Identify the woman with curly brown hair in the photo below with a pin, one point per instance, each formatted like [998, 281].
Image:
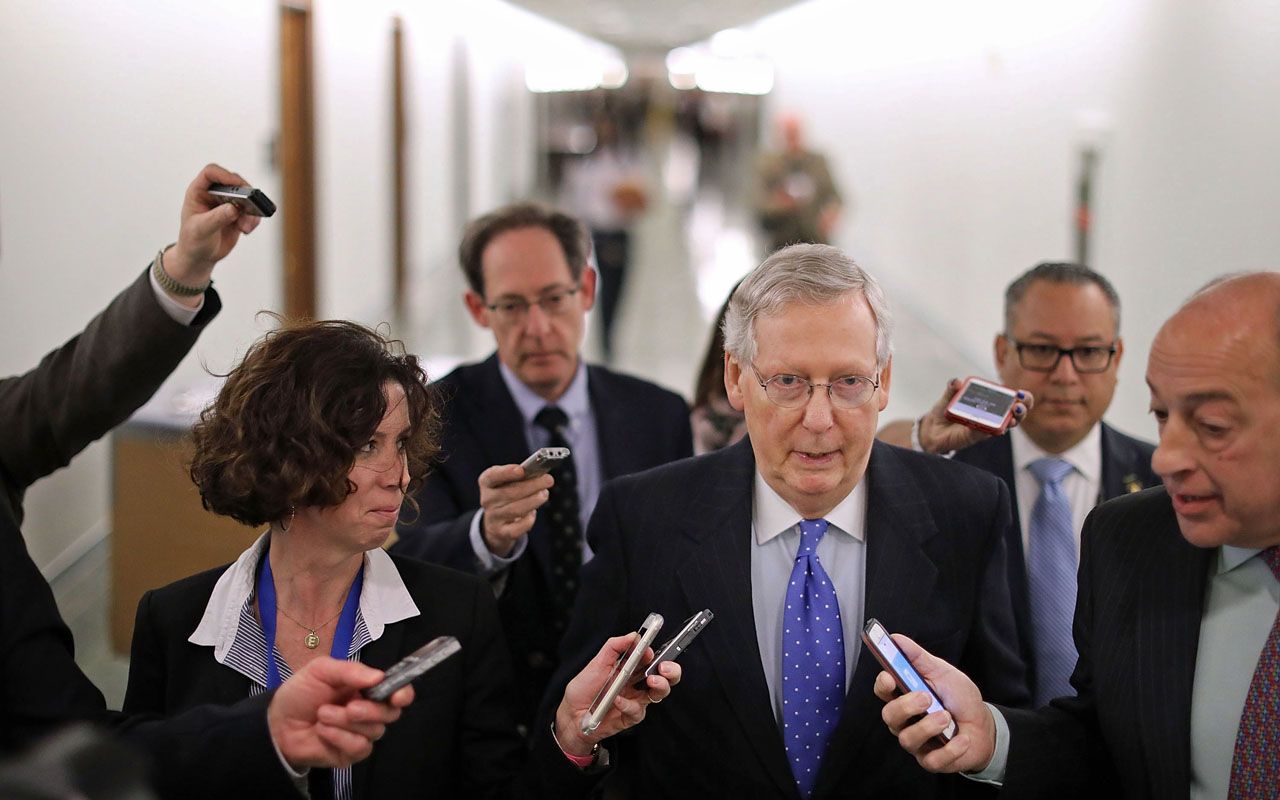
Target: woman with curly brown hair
[319, 434]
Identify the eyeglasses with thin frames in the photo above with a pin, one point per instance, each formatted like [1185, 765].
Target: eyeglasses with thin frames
[1040, 357]
[793, 391]
[515, 309]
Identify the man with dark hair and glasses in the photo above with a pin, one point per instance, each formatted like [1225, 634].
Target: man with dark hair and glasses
[793, 537]
[1061, 342]
[530, 284]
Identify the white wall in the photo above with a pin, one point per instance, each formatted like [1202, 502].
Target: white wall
[109, 109]
[954, 129]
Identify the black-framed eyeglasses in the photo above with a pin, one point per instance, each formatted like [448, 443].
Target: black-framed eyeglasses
[552, 304]
[1039, 357]
[793, 391]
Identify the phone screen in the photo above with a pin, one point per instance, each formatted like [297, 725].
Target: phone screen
[895, 663]
[985, 404]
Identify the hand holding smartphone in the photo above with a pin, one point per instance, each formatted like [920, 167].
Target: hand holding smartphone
[894, 661]
[623, 669]
[413, 666]
[983, 405]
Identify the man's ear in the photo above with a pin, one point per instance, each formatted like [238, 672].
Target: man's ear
[587, 285]
[1001, 349]
[886, 375]
[476, 308]
[732, 388]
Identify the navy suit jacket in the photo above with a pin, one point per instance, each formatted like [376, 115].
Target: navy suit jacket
[640, 426]
[458, 739]
[1126, 468]
[678, 539]
[1137, 627]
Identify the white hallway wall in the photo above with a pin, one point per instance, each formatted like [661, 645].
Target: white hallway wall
[954, 129]
[109, 109]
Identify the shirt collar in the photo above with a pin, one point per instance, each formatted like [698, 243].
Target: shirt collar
[575, 402]
[772, 516]
[1085, 457]
[1231, 557]
[384, 599]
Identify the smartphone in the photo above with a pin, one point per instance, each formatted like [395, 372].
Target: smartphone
[543, 460]
[248, 199]
[983, 405]
[623, 669]
[671, 649]
[896, 664]
[413, 666]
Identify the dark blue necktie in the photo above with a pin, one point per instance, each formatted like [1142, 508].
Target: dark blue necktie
[812, 660]
[1051, 582]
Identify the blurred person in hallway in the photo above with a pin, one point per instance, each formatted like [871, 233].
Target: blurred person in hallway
[607, 190]
[796, 199]
[716, 423]
[74, 396]
[1061, 342]
[319, 434]
[530, 285]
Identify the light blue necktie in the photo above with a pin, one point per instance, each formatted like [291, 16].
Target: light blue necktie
[1051, 581]
[812, 660]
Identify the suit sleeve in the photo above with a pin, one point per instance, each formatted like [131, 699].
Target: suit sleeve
[992, 655]
[147, 673]
[92, 383]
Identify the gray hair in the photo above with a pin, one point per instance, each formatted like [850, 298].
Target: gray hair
[1058, 272]
[813, 274]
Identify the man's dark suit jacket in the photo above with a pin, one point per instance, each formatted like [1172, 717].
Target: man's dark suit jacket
[1126, 468]
[75, 395]
[639, 425]
[678, 539]
[1137, 627]
[458, 739]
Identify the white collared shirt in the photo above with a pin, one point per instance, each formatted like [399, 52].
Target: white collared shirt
[1083, 486]
[775, 541]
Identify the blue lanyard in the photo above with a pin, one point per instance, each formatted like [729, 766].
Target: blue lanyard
[267, 608]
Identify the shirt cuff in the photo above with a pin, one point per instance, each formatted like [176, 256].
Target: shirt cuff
[183, 315]
[993, 773]
[290, 771]
[489, 561]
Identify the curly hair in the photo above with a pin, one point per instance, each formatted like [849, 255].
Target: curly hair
[284, 430]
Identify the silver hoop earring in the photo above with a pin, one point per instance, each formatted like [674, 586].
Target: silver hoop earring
[287, 522]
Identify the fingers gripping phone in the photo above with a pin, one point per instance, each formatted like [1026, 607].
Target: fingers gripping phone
[895, 662]
[671, 649]
[413, 666]
[544, 459]
[246, 198]
[622, 672]
[983, 405]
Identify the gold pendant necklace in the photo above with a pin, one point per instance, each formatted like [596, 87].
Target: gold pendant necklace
[312, 641]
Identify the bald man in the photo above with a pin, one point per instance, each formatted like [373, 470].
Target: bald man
[1178, 612]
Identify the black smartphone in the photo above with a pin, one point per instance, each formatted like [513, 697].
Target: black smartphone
[248, 199]
[896, 664]
[671, 649]
[543, 460]
[413, 666]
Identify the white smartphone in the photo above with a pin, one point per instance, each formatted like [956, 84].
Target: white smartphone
[983, 405]
[622, 671]
[544, 459]
[896, 664]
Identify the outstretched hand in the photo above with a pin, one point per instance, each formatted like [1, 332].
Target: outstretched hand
[940, 435]
[209, 228]
[628, 708]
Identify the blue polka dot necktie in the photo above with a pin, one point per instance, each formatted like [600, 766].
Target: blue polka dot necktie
[1255, 764]
[1051, 582]
[563, 520]
[812, 660]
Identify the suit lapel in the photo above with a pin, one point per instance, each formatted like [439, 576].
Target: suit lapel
[381, 653]
[1125, 469]
[718, 576]
[614, 422]
[897, 588]
[1168, 635]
